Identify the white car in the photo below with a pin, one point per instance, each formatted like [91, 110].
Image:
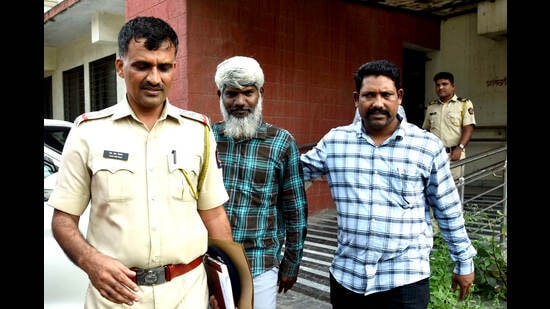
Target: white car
[64, 283]
[56, 132]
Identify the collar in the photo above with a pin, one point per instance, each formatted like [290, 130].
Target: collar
[123, 109]
[454, 98]
[397, 135]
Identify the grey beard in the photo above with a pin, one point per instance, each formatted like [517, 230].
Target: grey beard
[242, 127]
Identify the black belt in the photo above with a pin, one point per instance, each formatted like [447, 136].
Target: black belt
[449, 149]
[164, 273]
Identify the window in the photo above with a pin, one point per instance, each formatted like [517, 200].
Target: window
[73, 93]
[55, 136]
[103, 83]
[48, 109]
[49, 166]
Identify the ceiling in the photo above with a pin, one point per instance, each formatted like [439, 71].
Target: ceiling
[62, 26]
[66, 25]
[442, 9]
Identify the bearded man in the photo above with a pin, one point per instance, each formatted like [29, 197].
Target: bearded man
[267, 206]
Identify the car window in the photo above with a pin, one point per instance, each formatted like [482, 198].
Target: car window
[49, 167]
[55, 137]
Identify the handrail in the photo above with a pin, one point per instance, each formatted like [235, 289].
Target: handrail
[479, 156]
[494, 198]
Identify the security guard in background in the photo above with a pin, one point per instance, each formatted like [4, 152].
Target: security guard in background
[451, 118]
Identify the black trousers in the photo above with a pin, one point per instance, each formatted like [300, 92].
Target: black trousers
[411, 296]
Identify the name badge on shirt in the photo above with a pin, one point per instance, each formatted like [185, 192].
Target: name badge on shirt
[117, 155]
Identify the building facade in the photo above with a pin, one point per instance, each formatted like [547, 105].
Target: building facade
[308, 50]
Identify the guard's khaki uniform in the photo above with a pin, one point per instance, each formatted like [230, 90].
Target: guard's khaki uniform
[446, 120]
[143, 211]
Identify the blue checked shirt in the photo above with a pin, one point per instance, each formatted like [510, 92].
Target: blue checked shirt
[267, 199]
[383, 195]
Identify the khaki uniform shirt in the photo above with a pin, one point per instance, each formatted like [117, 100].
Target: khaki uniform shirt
[446, 120]
[143, 212]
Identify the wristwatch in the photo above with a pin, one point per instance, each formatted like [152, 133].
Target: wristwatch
[461, 146]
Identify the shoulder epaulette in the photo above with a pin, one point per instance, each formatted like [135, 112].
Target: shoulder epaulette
[195, 116]
[206, 122]
[432, 102]
[94, 115]
[462, 99]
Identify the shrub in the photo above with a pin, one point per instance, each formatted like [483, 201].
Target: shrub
[490, 285]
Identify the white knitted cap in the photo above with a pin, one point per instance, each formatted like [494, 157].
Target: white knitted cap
[238, 72]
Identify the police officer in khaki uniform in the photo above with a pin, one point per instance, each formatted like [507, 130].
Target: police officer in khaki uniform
[149, 173]
[451, 118]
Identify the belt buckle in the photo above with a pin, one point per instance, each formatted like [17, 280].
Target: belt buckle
[150, 276]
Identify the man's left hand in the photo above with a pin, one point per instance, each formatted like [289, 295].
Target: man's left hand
[455, 154]
[286, 283]
[465, 282]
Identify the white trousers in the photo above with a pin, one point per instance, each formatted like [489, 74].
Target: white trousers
[265, 289]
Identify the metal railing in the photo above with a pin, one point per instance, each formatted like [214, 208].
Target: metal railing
[484, 192]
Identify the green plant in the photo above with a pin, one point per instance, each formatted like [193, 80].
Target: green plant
[442, 266]
[490, 261]
[490, 285]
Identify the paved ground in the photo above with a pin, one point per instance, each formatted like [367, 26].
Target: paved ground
[311, 291]
[295, 300]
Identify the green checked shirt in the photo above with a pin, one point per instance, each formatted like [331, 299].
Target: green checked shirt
[267, 199]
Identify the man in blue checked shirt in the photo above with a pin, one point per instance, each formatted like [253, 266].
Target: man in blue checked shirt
[262, 174]
[385, 175]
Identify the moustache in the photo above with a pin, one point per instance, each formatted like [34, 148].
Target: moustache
[238, 109]
[148, 86]
[377, 110]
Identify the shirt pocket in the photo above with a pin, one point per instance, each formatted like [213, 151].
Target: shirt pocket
[113, 179]
[434, 117]
[407, 191]
[455, 118]
[184, 170]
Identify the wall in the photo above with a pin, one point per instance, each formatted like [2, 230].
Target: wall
[308, 51]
